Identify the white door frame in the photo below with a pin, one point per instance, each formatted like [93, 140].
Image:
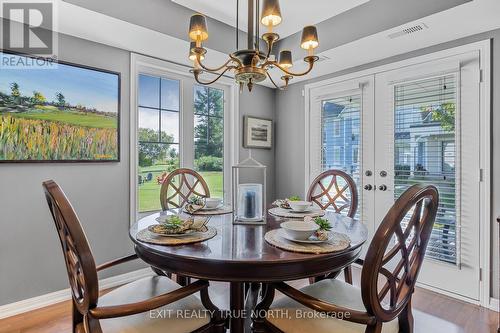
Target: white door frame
[143, 64]
[486, 220]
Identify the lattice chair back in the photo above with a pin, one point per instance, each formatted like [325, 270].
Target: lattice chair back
[179, 186]
[78, 257]
[396, 252]
[335, 190]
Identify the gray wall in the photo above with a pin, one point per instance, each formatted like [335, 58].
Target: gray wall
[31, 263]
[290, 132]
[259, 103]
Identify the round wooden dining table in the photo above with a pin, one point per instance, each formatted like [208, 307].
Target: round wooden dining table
[239, 254]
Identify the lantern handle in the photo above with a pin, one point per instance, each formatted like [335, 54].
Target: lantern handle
[251, 160]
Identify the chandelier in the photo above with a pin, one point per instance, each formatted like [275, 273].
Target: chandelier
[251, 65]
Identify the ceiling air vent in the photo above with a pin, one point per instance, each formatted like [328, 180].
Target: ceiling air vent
[408, 31]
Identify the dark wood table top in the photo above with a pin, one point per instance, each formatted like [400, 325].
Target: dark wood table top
[240, 253]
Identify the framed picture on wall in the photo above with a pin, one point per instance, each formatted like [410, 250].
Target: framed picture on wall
[257, 132]
[63, 113]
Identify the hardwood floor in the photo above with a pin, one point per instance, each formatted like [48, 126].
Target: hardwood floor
[433, 313]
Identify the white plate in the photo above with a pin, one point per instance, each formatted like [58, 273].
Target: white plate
[219, 206]
[312, 240]
[308, 210]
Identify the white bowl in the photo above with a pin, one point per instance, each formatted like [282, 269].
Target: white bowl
[212, 203]
[300, 206]
[299, 230]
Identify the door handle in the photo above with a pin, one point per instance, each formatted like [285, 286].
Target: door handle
[383, 187]
[368, 187]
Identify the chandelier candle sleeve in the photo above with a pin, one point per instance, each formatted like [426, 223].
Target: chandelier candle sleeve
[251, 65]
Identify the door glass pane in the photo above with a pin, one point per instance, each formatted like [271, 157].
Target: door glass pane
[209, 137]
[158, 136]
[425, 152]
[340, 130]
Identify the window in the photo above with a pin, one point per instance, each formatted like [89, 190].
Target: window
[158, 136]
[209, 137]
[337, 156]
[336, 128]
[179, 124]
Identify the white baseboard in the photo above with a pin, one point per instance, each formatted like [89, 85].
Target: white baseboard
[494, 304]
[38, 302]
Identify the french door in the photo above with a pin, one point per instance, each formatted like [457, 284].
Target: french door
[428, 122]
[411, 125]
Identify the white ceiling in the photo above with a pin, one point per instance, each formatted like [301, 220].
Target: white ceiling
[296, 14]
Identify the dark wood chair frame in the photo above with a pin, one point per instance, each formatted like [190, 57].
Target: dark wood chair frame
[83, 278]
[351, 205]
[168, 201]
[401, 281]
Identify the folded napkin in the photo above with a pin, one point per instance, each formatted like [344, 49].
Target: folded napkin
[192, 208]
[188, 225]
[283, 203]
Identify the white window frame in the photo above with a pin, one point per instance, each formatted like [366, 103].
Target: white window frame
[140, 64]
[486, 218]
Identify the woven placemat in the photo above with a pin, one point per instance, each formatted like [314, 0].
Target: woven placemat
[219, 211]
[148, 237]
[338, 242]
[282, 212]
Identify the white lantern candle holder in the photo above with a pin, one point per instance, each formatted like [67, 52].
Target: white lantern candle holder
[249, 197]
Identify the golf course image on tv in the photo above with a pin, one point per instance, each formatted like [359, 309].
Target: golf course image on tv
[64, 113]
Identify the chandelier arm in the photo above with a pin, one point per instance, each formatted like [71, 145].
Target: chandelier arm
[196, 77]
[198, 59]
[274, 83]
[238, 61]
[284, 70]
[269, 50]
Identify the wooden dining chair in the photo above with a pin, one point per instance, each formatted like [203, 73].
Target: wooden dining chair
[335, 190]
[125, 309]
[179, 186]
[388, 277]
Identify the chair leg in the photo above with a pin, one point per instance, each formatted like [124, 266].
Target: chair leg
[377, 328]
[348, 274]
[77, 317]
[406, 319]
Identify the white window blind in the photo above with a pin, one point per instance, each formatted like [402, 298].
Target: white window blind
[425, 144]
